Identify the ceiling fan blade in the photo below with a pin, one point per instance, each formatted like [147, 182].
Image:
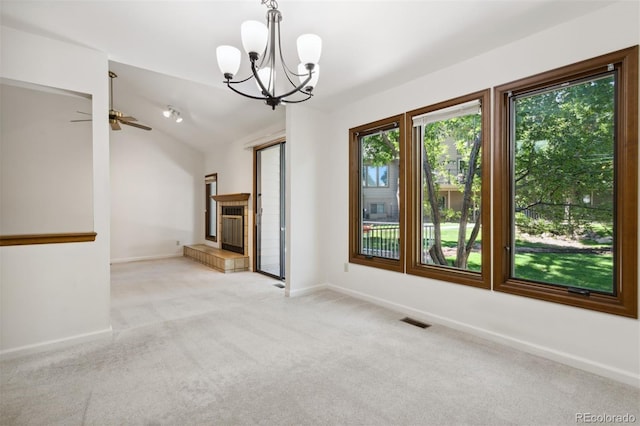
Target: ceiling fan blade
[128, 118]
[81, 112]
[115, 125]
[77, 121]
[139, 126]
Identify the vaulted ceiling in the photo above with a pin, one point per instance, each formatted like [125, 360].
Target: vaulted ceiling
[164, 51]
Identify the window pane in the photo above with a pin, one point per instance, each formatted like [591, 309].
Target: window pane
[213, 210]
[372, 177]
[380, 235]
[383, 174]
[563, 185]
[451, 182]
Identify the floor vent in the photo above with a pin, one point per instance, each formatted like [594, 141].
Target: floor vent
[415, 322]
[279, 285]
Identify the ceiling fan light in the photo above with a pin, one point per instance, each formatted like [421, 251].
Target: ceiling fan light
[228, 60]
[254, 36]
[178, 119]
[304, 73]
[166, 113]
[309, 48]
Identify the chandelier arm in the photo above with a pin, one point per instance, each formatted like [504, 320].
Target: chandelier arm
[287, 71]
[239, 81]
[260, 83]
[297, 89]
[309, 95]
[284, 63]
[244, 94]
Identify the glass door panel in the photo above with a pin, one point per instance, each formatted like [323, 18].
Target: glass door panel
[270, 225]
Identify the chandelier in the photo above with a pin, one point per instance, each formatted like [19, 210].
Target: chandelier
[262, 44]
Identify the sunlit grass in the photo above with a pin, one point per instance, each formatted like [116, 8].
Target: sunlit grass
[592, 271]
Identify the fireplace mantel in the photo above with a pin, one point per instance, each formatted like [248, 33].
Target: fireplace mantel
[241, 196]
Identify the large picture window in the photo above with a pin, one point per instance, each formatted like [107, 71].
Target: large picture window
[566, 185]
[376, 222]
[449, 191]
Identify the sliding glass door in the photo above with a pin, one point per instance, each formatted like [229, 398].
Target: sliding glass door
[270, 219]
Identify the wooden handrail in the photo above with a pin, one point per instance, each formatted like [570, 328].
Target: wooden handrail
[26, 239]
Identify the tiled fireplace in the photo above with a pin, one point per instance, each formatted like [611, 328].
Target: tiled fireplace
[233, 222]
[233, 236]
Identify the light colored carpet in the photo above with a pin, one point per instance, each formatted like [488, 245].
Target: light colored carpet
[195, 346]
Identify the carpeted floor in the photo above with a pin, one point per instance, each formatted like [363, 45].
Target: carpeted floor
[195, 346]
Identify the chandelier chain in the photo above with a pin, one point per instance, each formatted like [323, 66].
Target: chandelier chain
[271, 4]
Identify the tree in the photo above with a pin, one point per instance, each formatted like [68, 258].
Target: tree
[460, 134]
[564, 155]
[464, 133]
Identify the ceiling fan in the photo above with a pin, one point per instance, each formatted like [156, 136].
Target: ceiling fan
[116, 117]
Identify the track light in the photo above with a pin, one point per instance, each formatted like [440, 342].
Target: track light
[172, 112]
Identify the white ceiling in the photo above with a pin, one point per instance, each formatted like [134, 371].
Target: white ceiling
[164, 51]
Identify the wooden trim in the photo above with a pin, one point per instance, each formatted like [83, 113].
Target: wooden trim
[244, 196]
[625, 302]
[414, 188]
[354, 194]
[28, 239]
[269, 144]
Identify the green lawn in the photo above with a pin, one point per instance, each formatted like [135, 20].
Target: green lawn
[590, 271]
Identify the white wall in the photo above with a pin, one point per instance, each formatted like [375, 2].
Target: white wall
[157, 195]
[58, 292]
[602, 343]
[305, 176]
[39, 192]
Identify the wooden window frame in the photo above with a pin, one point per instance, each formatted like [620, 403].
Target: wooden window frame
[355, 183]
[414, 187]
[625, 301]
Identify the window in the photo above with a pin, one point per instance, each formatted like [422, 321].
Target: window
[566, 189]
[211, 210]
[375, 176]
[448, 185]
[376, 234]
[377, 208]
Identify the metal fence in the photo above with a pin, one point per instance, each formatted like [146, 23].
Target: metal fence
[382, 239]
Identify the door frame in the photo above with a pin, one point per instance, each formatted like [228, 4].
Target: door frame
[278, 141]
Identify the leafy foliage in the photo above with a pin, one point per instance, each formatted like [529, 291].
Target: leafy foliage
[460, 136]
[564, 155]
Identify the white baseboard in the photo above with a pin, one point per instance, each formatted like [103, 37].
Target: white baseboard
[140, 258]
[55, 344]
[306, 290]
[532, 348]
